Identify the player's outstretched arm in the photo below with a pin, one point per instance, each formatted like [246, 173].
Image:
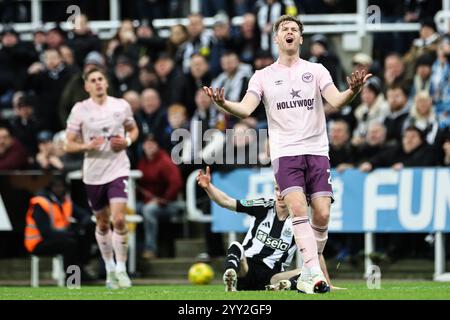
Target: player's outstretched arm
[216, 195]
[355, 82]
[241, 109]
[73, 145]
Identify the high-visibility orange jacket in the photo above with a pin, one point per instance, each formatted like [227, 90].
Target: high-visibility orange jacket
[59, 219]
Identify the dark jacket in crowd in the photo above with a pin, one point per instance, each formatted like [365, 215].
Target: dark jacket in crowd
[422, 156]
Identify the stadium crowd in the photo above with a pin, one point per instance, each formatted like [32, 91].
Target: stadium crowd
[401, 119]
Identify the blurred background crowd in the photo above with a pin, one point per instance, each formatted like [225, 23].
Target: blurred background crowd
[401, 119]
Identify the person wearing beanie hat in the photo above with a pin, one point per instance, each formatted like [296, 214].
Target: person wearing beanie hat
[427, 43]
[319, 50]
[422, 77]
[373, 108]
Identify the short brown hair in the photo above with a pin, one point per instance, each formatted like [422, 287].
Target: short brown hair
[285, 18]
[90, 71]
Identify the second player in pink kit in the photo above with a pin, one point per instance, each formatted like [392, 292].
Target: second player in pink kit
[292, 90]
[103, 127]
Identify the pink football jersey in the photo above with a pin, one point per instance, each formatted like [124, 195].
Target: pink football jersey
[292, 97]
[90, 120]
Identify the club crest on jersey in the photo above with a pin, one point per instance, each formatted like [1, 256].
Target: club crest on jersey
[307, 77]
[247, 203]
[116, 115]
[287, 233]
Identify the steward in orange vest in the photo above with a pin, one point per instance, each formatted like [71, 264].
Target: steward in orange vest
[48, 229]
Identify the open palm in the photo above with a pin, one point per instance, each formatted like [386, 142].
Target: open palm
[204, 179]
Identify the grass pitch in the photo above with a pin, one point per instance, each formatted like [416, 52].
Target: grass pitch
[356, 290]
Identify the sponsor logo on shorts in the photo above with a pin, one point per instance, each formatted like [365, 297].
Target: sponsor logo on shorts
[273, 243]
[307, 77]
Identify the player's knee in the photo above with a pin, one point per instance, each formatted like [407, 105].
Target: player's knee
[119, 223]
[321, 217]
[297, 209]
[103, 224]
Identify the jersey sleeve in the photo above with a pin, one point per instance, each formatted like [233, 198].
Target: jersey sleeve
[255, 85]
[129, 118]
[323, 77]
[74, 120]
[256, 208]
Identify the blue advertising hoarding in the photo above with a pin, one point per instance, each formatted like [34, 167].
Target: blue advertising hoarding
[409, 200]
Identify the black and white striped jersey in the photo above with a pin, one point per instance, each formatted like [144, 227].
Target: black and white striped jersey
[268, 239]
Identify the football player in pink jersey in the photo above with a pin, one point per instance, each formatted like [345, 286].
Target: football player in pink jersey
[103, 128]
[292, 90]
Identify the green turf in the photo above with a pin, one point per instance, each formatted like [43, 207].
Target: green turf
[355, 290]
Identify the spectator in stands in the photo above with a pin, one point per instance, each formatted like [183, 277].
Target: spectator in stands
[13, 155]
[374, 142]
[152, 117]
[427, 43]
[341, 151]
[74, 90]
[48, 82]
[149, 42]
[49, 230]
[397, 97]
[362, 61]
[24, 125]
[83, 40]
[55, 38]
[243, 149]
[15, 58]
[176, 44]
[440, 86]
[206, 117]
[412, 152]
[68, 57]
[39, 37]
[422, 77]
[199, 40]
[177, 118]
[133, 98]
[147, 77]
[247, 40]
[267, 12]
[262, 59]
[124, 43]
[394, 70]
[189, 83]
[160, 186]
[320, 53]
[234, 78]
[221, 42]
[374, 107]
[46, 158]
[422, 116]
[167, 78]
[124, 76]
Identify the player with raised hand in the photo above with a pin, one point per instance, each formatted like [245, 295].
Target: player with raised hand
[103, 128]
[268, 248]
[292, 90]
